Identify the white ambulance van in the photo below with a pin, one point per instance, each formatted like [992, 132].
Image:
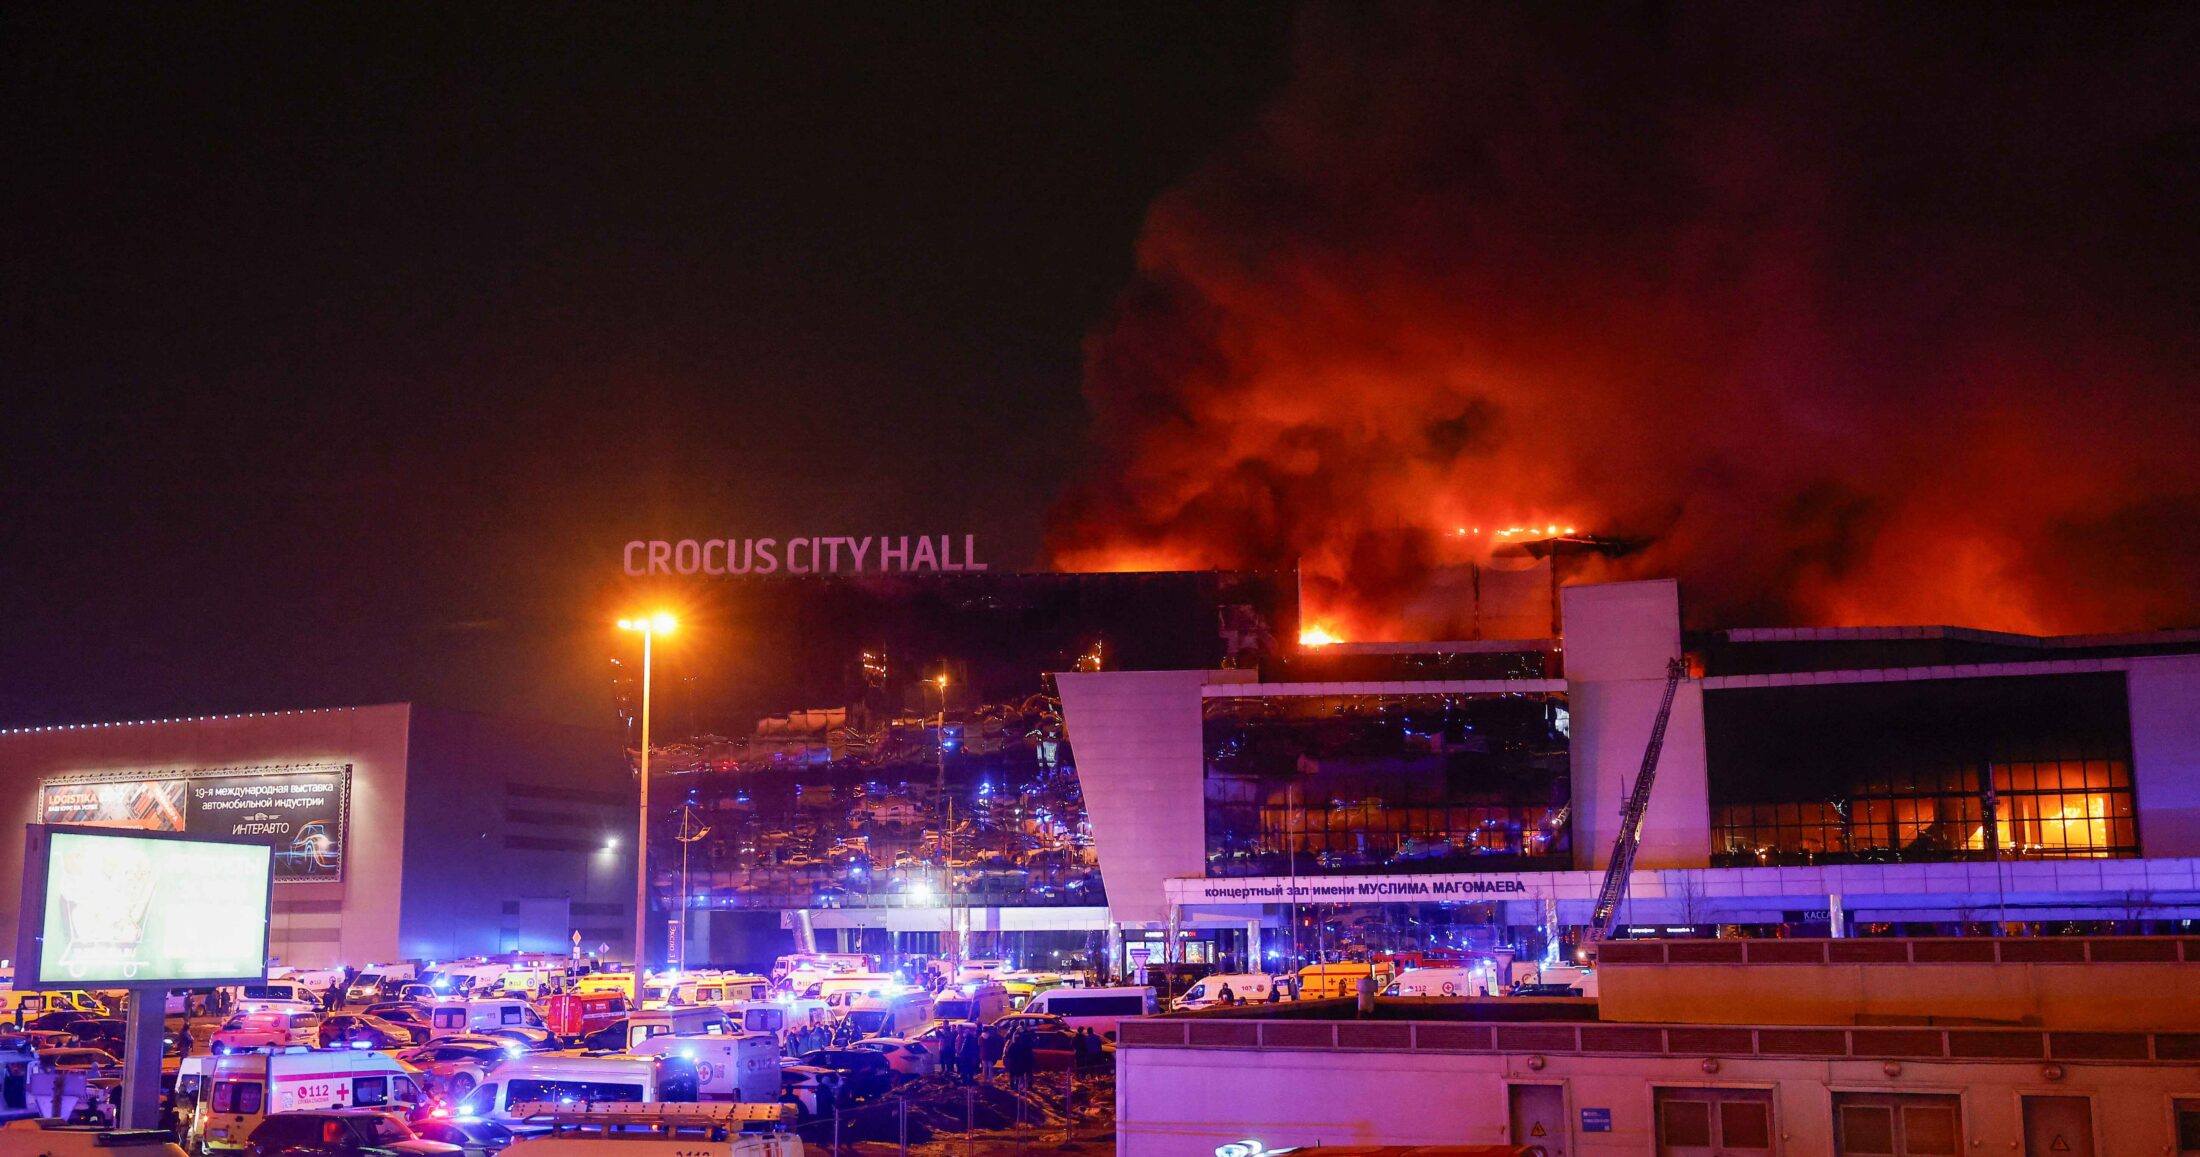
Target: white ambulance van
[740, 1067]
[723, 991]
[835, 990]
[704, 1021]
[233, 1094]
[1246, 987]
[889, 1013]
[777, 1017]
[1099, 1009]
[980, 1001]
[460, 1017]
[573, 1079]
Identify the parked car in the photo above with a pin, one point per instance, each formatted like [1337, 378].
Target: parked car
[90, 1062]
[474, 1138]
[59, 1019]
[531, 1039]
[339, 1133]
[348, 1029]
[907, 1058]
[100, 1033]
[402, 1012]
[1053, 1050]
[249, 1030]
[1041, 1022]
[456, 1064]
[863, 1074]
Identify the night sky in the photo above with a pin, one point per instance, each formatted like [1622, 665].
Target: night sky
[345, 345]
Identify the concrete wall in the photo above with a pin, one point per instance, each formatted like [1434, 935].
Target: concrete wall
[353, 921]
[2165, 752]
[511, 821]
[1619, 637]
[1182, 1102]
[2092, 997]
[1140, 760]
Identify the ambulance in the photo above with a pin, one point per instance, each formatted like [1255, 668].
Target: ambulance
[1342, 978]
[837, 990]
[981, 1002]
[231, 1095]
[778, 1016]
[889, 1013]
[820, 963]
[1444, 981]
[1245, 987]
[737, 1067]
[723, 991]
[569, 1079]
[676, 1022]
[460, 1017]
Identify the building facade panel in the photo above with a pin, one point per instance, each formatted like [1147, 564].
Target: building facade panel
[354, 919]
[1144, 729]
[2165, 741]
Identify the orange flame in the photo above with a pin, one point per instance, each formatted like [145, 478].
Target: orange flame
[1317, 635]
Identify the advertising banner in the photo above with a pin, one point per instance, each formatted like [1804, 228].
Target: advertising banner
[105, 907]
[301, 812]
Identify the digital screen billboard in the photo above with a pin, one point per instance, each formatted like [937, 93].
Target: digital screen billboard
[301, 812]
[108, 908]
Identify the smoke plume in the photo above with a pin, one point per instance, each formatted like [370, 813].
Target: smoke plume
[1853, 315]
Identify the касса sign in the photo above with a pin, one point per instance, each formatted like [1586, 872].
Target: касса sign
[824, 554]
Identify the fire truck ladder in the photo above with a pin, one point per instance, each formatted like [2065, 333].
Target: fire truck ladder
[1622, 866]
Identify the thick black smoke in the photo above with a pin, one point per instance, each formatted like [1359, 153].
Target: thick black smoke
[1858, 314]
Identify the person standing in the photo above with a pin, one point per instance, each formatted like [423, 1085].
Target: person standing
[970, 1054]
[994, 1049]
[1225, 996]
[1022, 1058]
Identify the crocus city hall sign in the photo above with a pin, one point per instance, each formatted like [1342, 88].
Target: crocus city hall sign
[826, 554]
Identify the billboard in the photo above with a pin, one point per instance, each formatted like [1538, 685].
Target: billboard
[300, 811]
[104, 907]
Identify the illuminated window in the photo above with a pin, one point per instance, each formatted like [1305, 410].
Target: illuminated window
[1385, 783]
[1903, 772]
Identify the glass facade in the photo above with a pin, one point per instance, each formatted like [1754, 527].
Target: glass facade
[1912, 771]
[1343, 784]
[864, 829]
[816, 727]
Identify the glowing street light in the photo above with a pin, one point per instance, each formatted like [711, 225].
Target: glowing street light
[952, 940]
[661, 623]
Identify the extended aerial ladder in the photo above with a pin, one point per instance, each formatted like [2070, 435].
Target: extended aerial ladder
[1622, 865]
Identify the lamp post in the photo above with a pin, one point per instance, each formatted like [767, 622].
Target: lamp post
[686, 813]
[651, 626]
[952, 940]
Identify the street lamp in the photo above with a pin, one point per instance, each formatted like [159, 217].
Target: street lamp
[952, 941]
[660, 623]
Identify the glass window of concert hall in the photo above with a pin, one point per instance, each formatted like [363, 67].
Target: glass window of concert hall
[1896, 772]
[1386, 784]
